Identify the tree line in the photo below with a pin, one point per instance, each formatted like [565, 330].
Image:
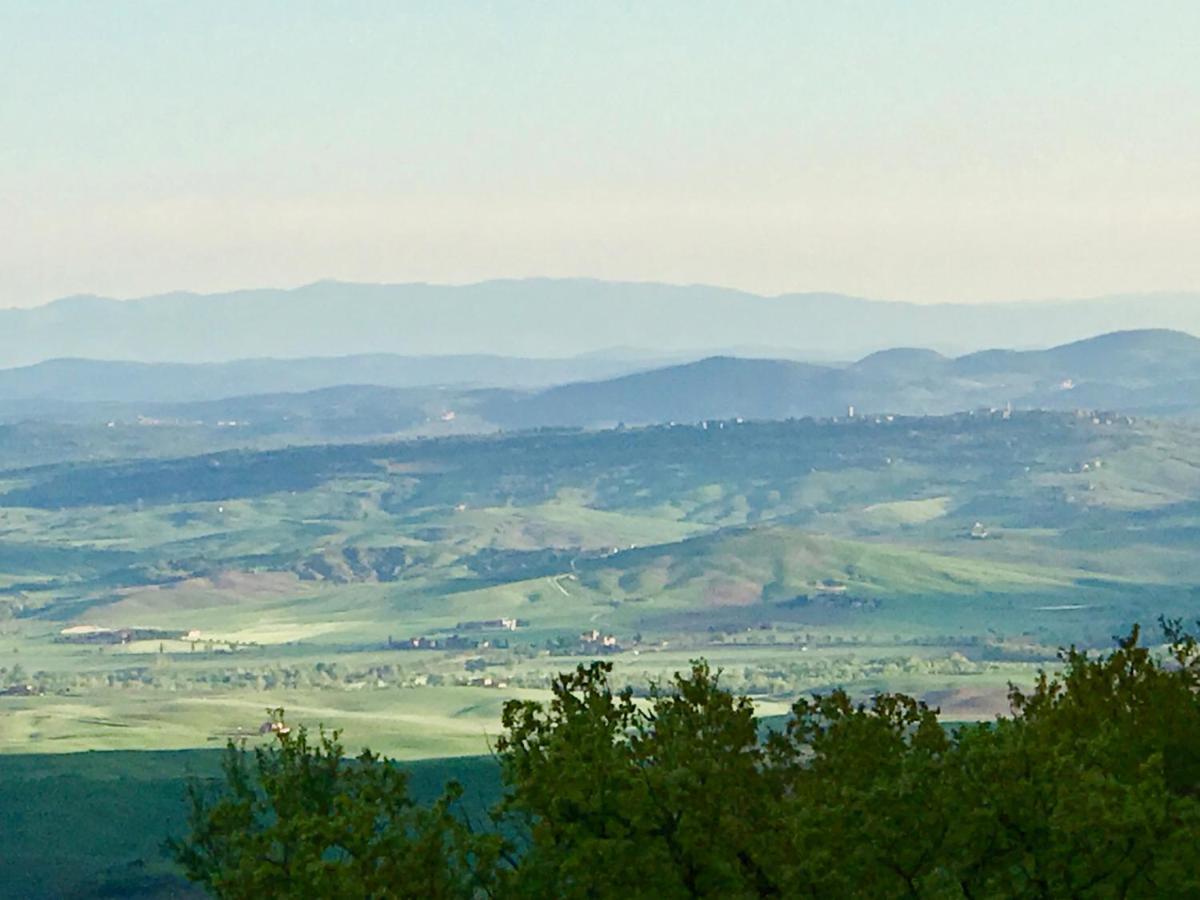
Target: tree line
[1090, 788]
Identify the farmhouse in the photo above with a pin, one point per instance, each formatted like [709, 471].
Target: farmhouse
[595, 641]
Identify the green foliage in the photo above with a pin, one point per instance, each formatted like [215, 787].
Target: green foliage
[303, 821]
[852, 801]
[655, 799]
[1090, 789]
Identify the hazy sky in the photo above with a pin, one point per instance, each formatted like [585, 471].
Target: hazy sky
[909, 150]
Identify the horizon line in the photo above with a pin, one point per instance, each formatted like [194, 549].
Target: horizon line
[183, 292]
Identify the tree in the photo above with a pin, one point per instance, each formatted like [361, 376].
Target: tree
[1090, 789]
[298, 819]
[619, 798]
[854, 807]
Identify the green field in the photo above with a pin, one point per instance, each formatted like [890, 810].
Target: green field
[156, 605]
[801, 555]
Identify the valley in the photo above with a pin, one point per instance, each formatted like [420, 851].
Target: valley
[529, 451]
[184, 548]
[402, 590]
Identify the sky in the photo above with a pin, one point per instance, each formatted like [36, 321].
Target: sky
[923, 151]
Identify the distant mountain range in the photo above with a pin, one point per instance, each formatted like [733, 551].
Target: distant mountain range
[543, 318]
[1144, 372]
[98, 381]
[1154, 371]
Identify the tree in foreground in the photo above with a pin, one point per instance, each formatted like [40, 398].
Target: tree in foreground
[298, 819]
[612, 797]
[1091, 788]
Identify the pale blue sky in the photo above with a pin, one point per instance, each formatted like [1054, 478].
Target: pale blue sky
[909, 150]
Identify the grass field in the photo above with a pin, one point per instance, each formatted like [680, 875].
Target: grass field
[793, 556]
[802, 555]
[405, 723]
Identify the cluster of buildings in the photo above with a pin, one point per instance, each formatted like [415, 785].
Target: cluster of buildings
[595, 641]
[457, 641]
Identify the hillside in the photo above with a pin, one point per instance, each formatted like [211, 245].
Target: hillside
[540, 318]
[1134, 372]
[105, 381]
[1137, 373]
[403, 590]
[1141, 355]
[714, 388]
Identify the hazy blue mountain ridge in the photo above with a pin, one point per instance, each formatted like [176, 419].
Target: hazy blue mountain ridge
[1136, 372]
[97, 381]
[546, 318]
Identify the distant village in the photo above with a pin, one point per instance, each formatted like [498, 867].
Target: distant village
[591, 642]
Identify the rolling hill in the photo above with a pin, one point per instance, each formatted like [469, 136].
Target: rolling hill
[713, 388]
[1135, 372]
[106, 381]
[48, 417]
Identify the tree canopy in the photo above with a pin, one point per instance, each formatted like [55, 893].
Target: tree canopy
[1090, 788]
